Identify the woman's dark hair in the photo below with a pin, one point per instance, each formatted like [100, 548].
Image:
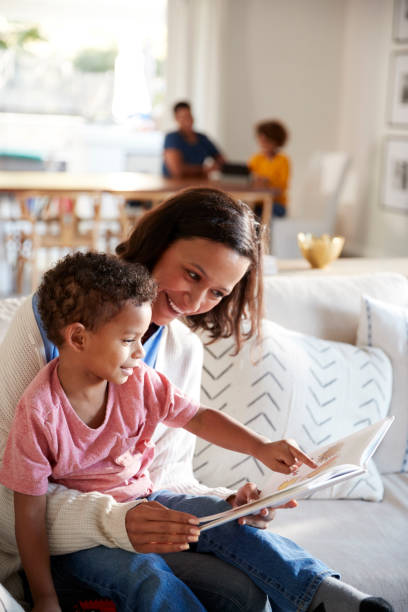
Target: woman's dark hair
[90, 288]
[213, 215]
[274, 131]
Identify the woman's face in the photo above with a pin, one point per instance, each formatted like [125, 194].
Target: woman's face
[193, 276]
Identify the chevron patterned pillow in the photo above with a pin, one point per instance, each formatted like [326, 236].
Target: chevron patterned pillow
[385, 326]
[297, 386]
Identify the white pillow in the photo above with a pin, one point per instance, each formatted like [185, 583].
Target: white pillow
[328, 306]
[298, 386]
[386, 326]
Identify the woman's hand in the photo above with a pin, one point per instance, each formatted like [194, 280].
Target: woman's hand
[250, 492]
[151, 527]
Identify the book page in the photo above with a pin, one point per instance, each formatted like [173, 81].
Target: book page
[275, 500]
[353, 450]
[337, 461]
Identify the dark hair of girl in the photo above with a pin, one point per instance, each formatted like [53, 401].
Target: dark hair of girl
[213, 215]
[274, 131]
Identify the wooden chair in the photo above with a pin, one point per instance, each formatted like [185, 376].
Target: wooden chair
[116, 224]
[52, 223]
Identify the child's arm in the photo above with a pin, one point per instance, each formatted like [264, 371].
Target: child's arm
[32, 543]
[218, 428]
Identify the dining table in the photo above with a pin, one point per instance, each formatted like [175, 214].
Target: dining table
[47, 214]
[129, 185]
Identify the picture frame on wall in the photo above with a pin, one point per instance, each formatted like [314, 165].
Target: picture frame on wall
[395, 174]
[400, 27]
[398, 100]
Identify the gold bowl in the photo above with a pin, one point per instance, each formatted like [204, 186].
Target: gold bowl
[320, 250]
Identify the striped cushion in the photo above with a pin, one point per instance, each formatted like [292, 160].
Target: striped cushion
[385, 325]
[293, 385]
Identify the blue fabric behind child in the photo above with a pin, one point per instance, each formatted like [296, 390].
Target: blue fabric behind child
[151, 346]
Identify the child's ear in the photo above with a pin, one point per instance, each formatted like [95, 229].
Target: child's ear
[74, 336]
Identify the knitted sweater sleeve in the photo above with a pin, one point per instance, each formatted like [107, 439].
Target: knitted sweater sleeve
[75, 520]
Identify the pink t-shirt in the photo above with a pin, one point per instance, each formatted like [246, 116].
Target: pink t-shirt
[48, 440]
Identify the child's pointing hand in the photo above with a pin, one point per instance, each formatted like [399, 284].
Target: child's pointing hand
[284, 456]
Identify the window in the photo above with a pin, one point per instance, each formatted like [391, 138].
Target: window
[102, 60]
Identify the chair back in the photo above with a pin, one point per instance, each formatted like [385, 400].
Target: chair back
[323, 185]
[321, 191]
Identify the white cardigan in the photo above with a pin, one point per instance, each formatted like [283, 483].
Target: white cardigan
[77, 520]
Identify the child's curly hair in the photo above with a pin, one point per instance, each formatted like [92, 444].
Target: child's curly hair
[90, 288]
[274, 131]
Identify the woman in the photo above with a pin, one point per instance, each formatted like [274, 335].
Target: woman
[179, 356]
[191, 244]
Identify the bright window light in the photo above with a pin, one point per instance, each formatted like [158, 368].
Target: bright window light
[102, 60]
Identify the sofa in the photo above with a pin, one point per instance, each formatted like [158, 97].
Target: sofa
[334, 357]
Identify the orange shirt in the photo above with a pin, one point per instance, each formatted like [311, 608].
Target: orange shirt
[276, 169]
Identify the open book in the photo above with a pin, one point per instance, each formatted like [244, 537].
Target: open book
[336, 462]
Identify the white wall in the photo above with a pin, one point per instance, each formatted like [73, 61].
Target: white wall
[368, 47]
[322, 66]
[283, 60]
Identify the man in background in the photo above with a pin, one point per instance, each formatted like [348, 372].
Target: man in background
[185, 150]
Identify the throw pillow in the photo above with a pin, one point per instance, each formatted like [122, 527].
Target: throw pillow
[385, 326]
[293, 386]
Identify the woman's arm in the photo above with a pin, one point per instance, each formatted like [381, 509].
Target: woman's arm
[83, 520]
[32, 543]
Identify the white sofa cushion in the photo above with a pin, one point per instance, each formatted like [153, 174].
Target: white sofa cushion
[293, 385]
[7, 602]
[8, 307]
[386, 326]
[328, 306]
[366, 543]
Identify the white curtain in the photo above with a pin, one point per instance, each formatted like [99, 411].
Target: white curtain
[195, 60]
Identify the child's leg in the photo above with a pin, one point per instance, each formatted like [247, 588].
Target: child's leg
[135, 582]
[287, 573]
[219, 586]
[301, 583]
[291, 577]
[143, 582]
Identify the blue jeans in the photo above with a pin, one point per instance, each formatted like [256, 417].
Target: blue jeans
[185, 582]
[283, 571]
[288, 574]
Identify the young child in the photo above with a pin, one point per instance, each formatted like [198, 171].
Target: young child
[270, 167]
[87, 418]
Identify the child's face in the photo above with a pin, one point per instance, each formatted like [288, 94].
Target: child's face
[267, 146]
[112, 351]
